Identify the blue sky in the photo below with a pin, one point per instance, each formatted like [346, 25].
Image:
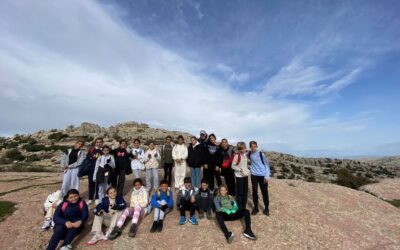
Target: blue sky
[312, 78]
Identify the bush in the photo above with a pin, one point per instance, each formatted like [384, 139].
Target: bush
[368, 175]
[272, 170]
[32, 141]
[296, 169]
[309, 170]
[57, 136]
[292, 176]
[285, 169]
[13, 144]
[346, 179]
[34, 147]
[15, 155]
[57, 147]
[280, 177]
[32, 158]
[311, 178]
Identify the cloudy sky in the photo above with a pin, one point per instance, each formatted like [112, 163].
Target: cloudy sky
[316, 78]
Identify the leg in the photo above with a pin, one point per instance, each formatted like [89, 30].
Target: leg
[102, 190]
[66, 185]
[264, 191]
[71, 234]
[193, 176]
[93, 189]
[148, 180]
[59, 232]
[113, 221]
[50, 213]
[123, 216]
[121, 182]
[170, 166]
[191, 208]
[183, 208]
[221, 223]
[136, 214]
[254, 188]
[75, 183]
[197, 177]
[245, 191]
[97, 224]
[218, 177]
[247, 219]
[230, 181]
[155, 178]
[239, 191]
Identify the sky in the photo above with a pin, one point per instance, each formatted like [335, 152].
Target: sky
[310, 78]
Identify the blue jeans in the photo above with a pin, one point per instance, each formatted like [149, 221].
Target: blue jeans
[195, 176]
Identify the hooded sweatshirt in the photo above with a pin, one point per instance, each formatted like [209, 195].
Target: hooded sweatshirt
[106, 202]
[139, 197]
[258, 168]
[195, 155]
[240, 167]
[139, 162]
[212, 154]
[166, 153]
[152, 158]
[180, 152]
[71, 213]
[226, 204]
[122, 159]
[72, 158]
[185, 194]
[102, 162]
[161, 196]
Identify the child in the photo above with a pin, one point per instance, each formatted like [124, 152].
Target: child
[213, 159]
[179, 154]
[69, 218]
[49, 207]
[93, 154]
[186, 201]
[139, 201]
[195, 160]
[166, 159]
[151, 158]
[259, 177]
[161, 201]
[70, 162]
[137, 164]
[227, 210]
[239, 165]
[105, 166]
[226, 154]
[108, 211]
[204, 200]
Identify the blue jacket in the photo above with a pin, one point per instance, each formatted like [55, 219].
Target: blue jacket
[71, 213]
[257, 167]
[163, 197]
[105, 204]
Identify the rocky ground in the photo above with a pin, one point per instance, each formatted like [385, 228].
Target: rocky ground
[304, 215]
[387, 189]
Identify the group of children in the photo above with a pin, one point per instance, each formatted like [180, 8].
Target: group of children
[110, 167]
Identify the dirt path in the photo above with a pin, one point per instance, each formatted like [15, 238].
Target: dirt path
[303, 216]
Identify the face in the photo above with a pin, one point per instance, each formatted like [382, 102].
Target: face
[193, 141]
[212, 139]
[187, 185]
[223, 191]
[253, 147]
[203, 136]
[73, 198]
[204, 186]
[99, 143]
[138, 185]
[164, 187]
[112, 193]
[122, 144]
[180, 141]
[151, 146]
[136, 144]
[106, 151]
[168, 140]
[243, 150]
[224, 143]
[78, 145]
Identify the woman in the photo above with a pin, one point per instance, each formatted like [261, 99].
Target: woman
[179, 154]
[211, 168]
[195, 160]
[70, 162]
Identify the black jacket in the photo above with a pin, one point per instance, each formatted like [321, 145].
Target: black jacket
[212, 154]
[122, 161]
[195, 156]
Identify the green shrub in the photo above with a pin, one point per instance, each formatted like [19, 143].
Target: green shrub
[32, 141]
[272, 170]
[285, 169]
[347, 179]
[296, 169]
[13, 144]
[280, 177]
[5, 160]
[57, 136]
[57, 147]
[368, 175]
[6, 209]
[395, 203]
[292, 176]
[311, 178]
[34, 147]
[309, 170]
[15, 155]
[32, 158]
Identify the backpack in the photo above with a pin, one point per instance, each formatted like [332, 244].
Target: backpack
[239, 158]
[261, 157]
[159, 194]
[65, 204]
[226, 163]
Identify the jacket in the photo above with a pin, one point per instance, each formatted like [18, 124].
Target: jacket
[226, 157]
[53, 198]
[166, 154]
[241, 169]
[65, 159]
[185, 194]
[152, 158]
[159, 196]
[225, 204]
[258, 168]
[71, 213]
[139, 197]
[195, 156]
[212, 154]
[139, 162]
[103, 164]
[204, 194]
[180, 152]
[122, 159]
[93, 154]
[105, 204]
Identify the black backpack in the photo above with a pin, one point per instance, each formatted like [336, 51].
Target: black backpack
[261, 157]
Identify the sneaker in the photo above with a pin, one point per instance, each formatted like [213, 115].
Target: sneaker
[249, 234]
[159, 225]
[229, 238]
[53, 224]
[153, 227]
[209, 215]
[66, 247]
[255, 211]
[201, 215]
[97, 202]
[132, 230]
[46, 224]
[89, 202]
[266, 212]
[193, 220]
[96, 237]
[182, 221]
[116, 232]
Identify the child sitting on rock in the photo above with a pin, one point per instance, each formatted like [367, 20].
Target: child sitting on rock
[49, 207]
[186, 201]
[161, 201]
[107, 213]
[204, 200]
[139, 202]
[69, 218]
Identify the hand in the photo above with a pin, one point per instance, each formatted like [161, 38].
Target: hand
[54, 205]
[69, 224]
[216, 169]
[99, 213]
[164, 207]
[77, 224]
[265, 180]
[108, 160]
[178, 161]
[149, 156]
[113, 207]
[205, 166]
[192, 200]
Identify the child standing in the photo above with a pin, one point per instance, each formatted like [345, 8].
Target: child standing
[103, 171]
[239, 165]
[213, 159]
[122, 166]
[139, 201]
[92, 155]
[166, 159]
[49, 207]
[227, 210]
[70, 162]
[195, 160]
[69, 218]
[179, 154]
[204, 200]
[107, 212]
[259, 177]
[137, 164]
[161, 201]
[151, 158]
[226, 153]
[186, 201]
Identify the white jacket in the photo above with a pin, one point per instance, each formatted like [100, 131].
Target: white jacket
[139, 162]
[53, 198]
[139, 197]
[101, 162]
[180, 152]
[241, 169]
[152, 158]
[65, 159]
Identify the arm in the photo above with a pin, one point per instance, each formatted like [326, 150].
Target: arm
[234, 166]
[141, 156]
[145, 199]
[267, 170]
[217, 204]
[174, 154]
[158, 155]
[185, 153]
[170, 200]
[96, 168]
[64, 161]
[154, 202]
[121, 204]
[112, 162]
[58, 216]
[85, 213]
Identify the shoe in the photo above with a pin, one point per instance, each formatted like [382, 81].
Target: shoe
[255, 211]
[116, 232]
[97, 202]
[182, 221]
[266, 212]
[52, 224]
[201, 215]
[46, 224]
[96, 237]
[193, 220]
[209, 215]
[89, 202]
[153, 227]
[132, 230]
[249, 234]
[66, 247]
[229, 238]
[159, 225]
